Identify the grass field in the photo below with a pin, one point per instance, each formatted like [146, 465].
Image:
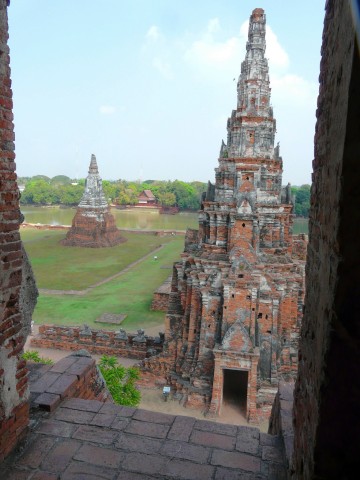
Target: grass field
[67, 268]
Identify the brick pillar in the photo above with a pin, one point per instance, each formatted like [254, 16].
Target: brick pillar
[222, 231]
[194, 313]
[14, 409]
[251, 409]
[213, 234]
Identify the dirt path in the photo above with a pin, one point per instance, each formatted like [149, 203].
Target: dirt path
[106, 280]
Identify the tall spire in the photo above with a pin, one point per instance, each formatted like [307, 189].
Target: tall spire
[93, 224]
[93, 194]
[93, 168]
[251, 127]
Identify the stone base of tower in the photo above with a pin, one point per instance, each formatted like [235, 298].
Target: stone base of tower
[93, 231]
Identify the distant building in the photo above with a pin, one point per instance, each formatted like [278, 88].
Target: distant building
[146, 198]
[93, 225]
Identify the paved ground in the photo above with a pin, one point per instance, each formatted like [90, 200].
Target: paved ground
[90, 440]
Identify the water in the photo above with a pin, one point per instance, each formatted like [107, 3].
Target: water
[133, 218]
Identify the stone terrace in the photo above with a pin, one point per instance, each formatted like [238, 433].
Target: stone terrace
[74, 439]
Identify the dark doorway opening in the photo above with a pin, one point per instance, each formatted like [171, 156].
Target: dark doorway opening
[235, 390]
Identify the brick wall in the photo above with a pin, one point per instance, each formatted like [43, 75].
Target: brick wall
[14, 409]
[75, 376]
[100, 342]
[161, 296]
[327, 391]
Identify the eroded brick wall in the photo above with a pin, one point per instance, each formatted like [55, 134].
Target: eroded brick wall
[100, 342]
[14, 410]
[327, 394]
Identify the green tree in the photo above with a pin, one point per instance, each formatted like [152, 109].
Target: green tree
[167, 199]
[40, 192]
[186, 195]
[70, 194]
[33, 356]
[60, 180]
[120, 381]
[302, 199]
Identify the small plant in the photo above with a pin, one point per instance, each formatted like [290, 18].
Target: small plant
[120, 381]
[33, 356]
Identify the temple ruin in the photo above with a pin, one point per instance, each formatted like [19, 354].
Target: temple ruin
[93, 225]
[237, 294]
[319, 433]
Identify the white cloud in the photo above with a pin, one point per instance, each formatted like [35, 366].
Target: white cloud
[213, 25]
[275, 52]
[153, 33]
[107, 109]
[163, 67]
[208, 52]
[293, 89]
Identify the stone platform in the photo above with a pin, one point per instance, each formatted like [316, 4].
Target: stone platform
[83, 439]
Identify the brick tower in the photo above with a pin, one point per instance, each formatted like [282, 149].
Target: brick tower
[237, 293]
[93, 225]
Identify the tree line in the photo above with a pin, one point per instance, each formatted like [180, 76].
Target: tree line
[302, 200]
[42, 190]
[62, 190]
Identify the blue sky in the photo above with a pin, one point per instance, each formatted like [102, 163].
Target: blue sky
[147, 85]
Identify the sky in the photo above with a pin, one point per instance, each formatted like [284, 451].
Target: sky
[147, 85]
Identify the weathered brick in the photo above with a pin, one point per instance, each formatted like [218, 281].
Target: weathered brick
[59, 457]
[138, 444]
[84, 405]
[142, 463]
[38, 449]
[213, 427]
[56, 428]
[236, 460]
[154, 417]
[74, 416]
[209, 439]
[248, 440]
[105, 457]
[95, 434]
[83, 471]
[186, 451]
[185, 470]
[181, 428]
[147, 429]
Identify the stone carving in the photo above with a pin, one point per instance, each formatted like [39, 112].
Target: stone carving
[93, 225]
[86, 331]
[140, 337]
[121, 335]
[237, 294]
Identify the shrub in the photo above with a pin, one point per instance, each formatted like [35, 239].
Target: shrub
[33, 356]
[120, 381]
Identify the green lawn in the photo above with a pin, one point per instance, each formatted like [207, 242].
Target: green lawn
[130, 293]
[74, 268]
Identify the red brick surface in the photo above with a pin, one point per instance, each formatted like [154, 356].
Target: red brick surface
[14, 416]
[237, 293]
[102, 342]
[68, 445]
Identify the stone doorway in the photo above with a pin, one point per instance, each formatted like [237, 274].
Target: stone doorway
[235, 388]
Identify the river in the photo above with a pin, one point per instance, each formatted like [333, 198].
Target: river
[130, 218]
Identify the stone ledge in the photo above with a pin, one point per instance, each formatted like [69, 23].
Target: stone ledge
[281, 420]
[72, 376]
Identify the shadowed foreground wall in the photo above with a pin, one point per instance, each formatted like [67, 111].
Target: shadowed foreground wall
[327, 392]
[14, 408]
